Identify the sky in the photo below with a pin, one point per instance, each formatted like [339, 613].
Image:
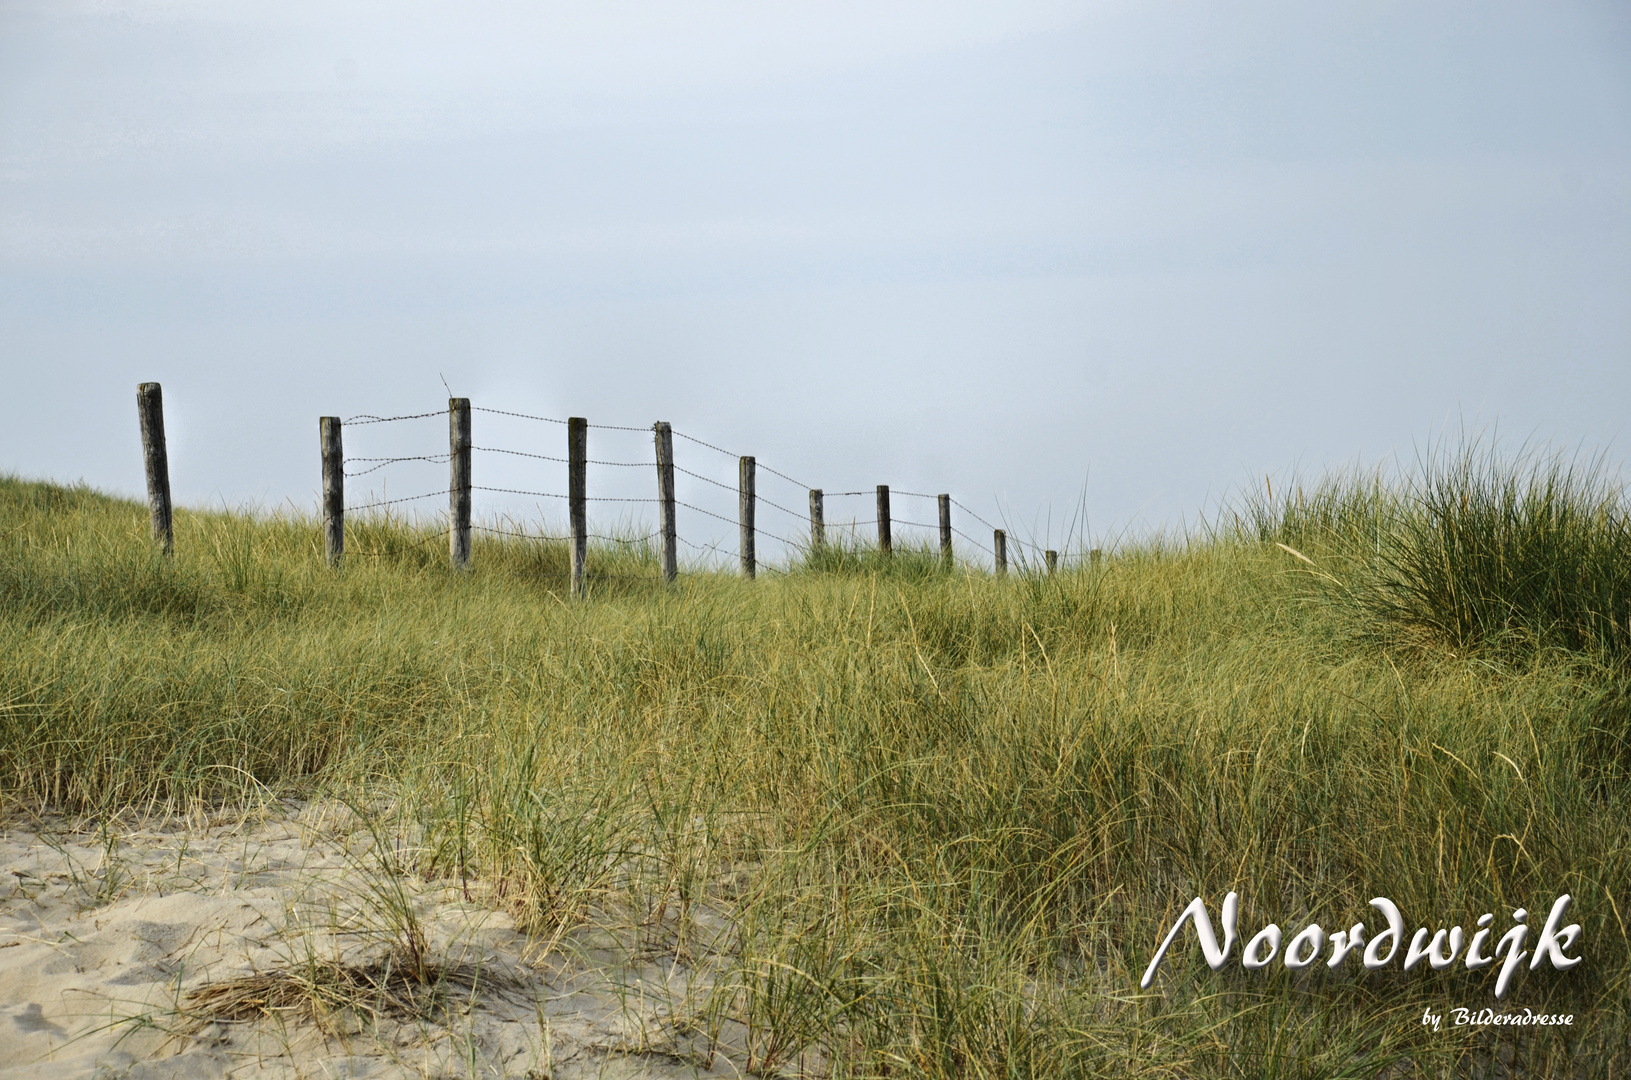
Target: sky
[1092, 268]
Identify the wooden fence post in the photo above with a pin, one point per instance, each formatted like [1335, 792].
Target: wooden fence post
[577, 495]
[150, 409]
[945, 529]
[665, 500]
[818, 520]
[328, 435]
[999, 543]
[1094, 557]
[1052, 558]
[745, 507]
[458, 481]
[885, 547]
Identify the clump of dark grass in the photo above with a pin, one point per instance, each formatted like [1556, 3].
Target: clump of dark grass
[1532, 549]
[1474, 549]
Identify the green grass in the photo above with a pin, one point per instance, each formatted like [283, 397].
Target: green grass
[950, 816]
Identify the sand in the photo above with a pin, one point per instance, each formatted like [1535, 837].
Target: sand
[107, 936]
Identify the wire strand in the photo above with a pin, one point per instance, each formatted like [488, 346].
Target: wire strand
[565, 461]
[973, 541]
[973, 515]
[709, 513]
[436, 459]
[704, 479]
[522, 415]
[390, 502]
[555, 495]
[566, 539]
[727, 453]
[363, 419]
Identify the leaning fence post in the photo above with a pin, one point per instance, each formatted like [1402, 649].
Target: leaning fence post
[458, 481]
[665, 500]
[884, 545]
[328, 435]
[745, 506]
[945, 528]
[577, 458]
[1052, 558]
[150, 409]
[818, 520]
[999, 544]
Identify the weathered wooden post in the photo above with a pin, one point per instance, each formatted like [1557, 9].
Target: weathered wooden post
[1052, 558]
[150, 410]
[945, 529]
[818, 520]
[665, 500]
[884, 545]
[1094, 557]
[458, 481]
[577, 495]
[999, 544]
[328, 435]
[745, 508]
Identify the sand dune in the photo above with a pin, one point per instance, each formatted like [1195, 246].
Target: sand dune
[111, 940]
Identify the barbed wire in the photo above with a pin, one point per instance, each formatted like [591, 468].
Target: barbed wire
[552, 419]
[629, 541]
[704, 479]
[699, 442]
[592, 576]
[799, 544]
[435, 459]
[374, 553]
[777, 506]
[715, 548]
[973, 541]
[973, 515]
[841, 494]
[733, 521]
[554, 495]
[756, 462]
[756, 496]
[709, 513]
[363, 419]
[564, 461]
[522, 415]
[390, 502]
[1012, 539]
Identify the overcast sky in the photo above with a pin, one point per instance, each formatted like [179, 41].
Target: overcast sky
[1047, 256]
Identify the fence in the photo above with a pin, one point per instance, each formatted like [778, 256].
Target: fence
[461, 487]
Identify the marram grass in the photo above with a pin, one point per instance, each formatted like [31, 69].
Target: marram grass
[948, 816]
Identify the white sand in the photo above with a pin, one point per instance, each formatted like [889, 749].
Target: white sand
[99, 953]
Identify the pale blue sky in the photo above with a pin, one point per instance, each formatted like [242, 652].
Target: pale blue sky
[994, 249]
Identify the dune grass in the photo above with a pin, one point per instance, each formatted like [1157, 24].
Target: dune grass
[947, 817]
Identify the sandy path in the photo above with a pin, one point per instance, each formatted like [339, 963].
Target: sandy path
[102, 939]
